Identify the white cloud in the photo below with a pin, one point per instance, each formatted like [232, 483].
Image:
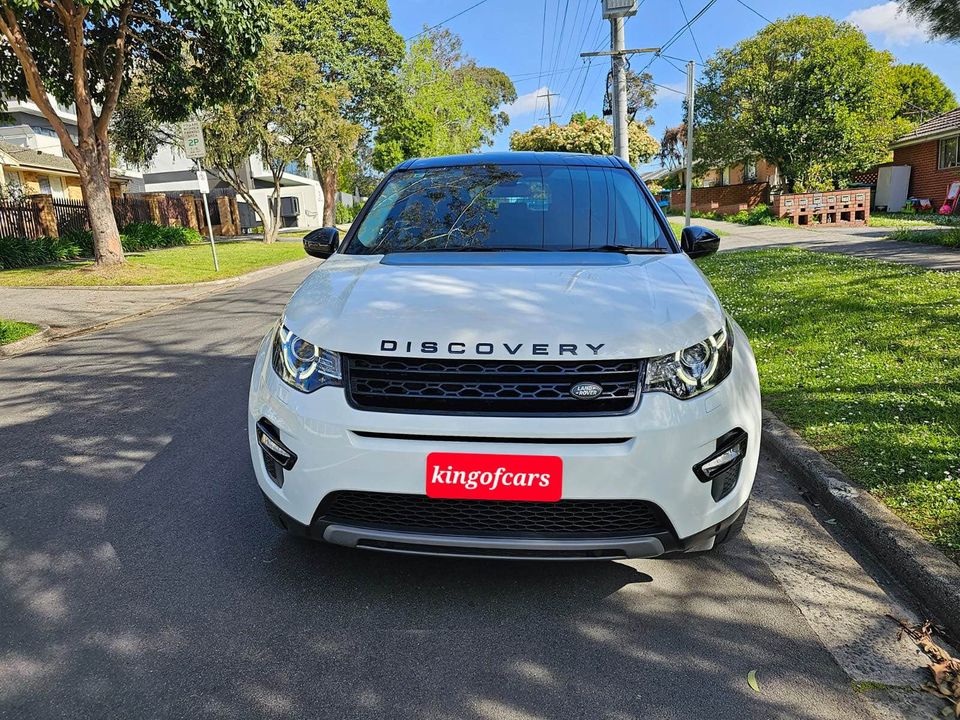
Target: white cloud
[889, 20]
[528, 103]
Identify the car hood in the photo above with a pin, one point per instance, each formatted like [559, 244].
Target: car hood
[484, 305]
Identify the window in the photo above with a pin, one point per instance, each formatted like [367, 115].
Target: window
[950, 152]
[509, 207]
[750, 171]
[44, 183]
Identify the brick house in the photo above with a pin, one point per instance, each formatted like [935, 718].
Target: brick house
[933, 151]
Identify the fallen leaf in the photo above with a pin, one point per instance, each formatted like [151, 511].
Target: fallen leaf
[752, 680]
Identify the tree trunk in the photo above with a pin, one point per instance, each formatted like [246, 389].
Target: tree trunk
[270, 235]
[95, 185]
[328, 181]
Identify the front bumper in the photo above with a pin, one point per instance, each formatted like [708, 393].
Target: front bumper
[646, 455]
[507, 548]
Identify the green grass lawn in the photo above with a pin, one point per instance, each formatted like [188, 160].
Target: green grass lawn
[948, 237]
[862, 359]
[11, 331]
[189, 264]
[909, 220]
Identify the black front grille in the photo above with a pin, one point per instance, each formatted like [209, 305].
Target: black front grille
[563, 519]
[490, 387]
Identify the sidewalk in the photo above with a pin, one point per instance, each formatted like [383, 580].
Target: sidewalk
[865, 242]
[68, 310]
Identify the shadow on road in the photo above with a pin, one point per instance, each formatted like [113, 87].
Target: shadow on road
[140, 578]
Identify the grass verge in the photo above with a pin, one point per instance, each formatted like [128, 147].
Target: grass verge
[11, 331]
[861, 358]
[948, 237]
[677, 228]
[909, 220]
[188, 264]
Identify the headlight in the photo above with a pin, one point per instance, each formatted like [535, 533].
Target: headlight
[693, 370]
[303, 365]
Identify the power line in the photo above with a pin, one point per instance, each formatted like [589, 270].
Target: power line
[444, 22]
[543, 33]
[690, 29]
[756, 12]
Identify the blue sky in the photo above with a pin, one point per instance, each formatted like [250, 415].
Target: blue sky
[507, 34]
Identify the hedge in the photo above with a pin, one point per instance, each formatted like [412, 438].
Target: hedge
[16, 252]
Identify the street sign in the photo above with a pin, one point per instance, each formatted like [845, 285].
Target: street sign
[203, 182]
[191, 134]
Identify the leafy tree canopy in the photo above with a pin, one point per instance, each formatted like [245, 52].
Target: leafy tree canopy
[808, 93]
[940, 15]
[921, 94]
[354, 45]
[186, 53]
[451, 105]
[585, 135]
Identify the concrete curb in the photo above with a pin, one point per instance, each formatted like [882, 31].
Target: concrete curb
[237, 279]
[932, 577]
[27, 343]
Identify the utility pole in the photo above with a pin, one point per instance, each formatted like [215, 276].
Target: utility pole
[618, 95]
[549, 110]
[617, 11]
[691, 73]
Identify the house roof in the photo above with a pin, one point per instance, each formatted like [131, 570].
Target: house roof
[29, 158]
[946, 124]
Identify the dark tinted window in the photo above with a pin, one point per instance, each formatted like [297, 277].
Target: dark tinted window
[527, 207]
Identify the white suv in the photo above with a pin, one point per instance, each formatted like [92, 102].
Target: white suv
[508, 356]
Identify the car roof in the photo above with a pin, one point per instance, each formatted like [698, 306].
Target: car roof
[513, 158]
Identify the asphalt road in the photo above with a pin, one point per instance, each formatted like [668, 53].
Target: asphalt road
[140, 578]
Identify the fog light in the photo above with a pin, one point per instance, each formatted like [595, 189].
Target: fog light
[268, 437]
[722, 468]
[719, 462]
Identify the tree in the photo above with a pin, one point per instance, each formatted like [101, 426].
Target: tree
[585, 135]
[921, 95]
[673, 147]
[450, 104]
[641, 94]
[187, 53]
[354, 47]
[291, 112]
[809, 94]
[940, 15]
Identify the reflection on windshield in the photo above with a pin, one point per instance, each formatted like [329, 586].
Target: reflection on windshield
[490, 207]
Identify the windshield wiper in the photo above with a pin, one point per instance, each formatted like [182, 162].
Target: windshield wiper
[628, 249]
[480, 248]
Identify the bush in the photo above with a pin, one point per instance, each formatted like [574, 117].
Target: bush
[347, 213]
[140, 236]
[17, 252]
[757, 215]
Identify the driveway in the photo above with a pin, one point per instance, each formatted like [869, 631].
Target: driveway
[140, 578]
[865, 242]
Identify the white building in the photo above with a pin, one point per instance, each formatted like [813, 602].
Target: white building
[301, 196]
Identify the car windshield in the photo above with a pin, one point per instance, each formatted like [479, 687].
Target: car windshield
[509, 207]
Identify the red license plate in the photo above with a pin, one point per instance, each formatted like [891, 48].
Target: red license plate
[469, 476]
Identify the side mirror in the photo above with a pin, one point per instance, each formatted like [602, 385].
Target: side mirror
[697, 241]
[322, 242]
